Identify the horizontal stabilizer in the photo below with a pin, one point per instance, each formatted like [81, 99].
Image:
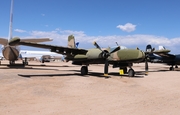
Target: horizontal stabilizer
[3, 41]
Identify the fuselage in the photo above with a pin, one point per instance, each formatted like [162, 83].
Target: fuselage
[174, 60]
[94, 56]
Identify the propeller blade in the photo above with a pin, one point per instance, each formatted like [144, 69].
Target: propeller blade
[106, 68]
[146, 67]
[97, 46]
[116, 49]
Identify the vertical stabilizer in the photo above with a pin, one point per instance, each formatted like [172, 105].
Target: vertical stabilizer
[148, 48]
[71, 41]
[162, 48]
[11, 21]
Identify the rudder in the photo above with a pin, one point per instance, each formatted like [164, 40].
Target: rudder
[71, 42]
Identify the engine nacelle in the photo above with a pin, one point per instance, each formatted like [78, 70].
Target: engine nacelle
[97, 53]
[14, 41]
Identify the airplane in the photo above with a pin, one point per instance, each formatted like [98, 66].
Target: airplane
[42, 56]
[163, 56]
[118, 58]
[9, 52]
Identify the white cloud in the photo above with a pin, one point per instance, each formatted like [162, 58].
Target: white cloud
[128, 27]
[19, 30]
[131, 41]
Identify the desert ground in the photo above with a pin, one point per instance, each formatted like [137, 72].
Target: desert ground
[57, 88]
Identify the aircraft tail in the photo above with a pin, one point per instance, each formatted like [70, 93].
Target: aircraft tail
[148, 48]
[162, 48]
[11, 21]
[71, 42]
[77, 44]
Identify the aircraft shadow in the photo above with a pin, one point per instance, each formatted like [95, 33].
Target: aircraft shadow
[137, 75]
[24, 67]
[77, 73]
[44, 65]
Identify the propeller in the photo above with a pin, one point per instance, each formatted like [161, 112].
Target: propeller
[105, 54]
[146, 64]
[149, 50]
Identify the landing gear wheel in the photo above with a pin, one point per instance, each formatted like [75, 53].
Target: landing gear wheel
[171, 68]
[176, 66]
[25, 63]
[131, 73]
[84, 70]
[11, 62]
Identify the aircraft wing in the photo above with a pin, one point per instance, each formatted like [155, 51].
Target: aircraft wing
[36, 40]
[164, 53]
[54, 48]
[3, 41]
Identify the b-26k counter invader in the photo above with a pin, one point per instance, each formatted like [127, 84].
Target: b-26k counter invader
[118, 58]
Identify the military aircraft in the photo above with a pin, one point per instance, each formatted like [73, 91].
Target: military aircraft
[9, 52]
[163, 56]
[118, 58]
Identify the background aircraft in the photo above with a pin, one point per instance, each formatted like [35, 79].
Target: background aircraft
[9, 52]
[162, 56]
[42, 56]
[118, 58]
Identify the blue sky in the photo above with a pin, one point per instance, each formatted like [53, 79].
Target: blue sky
[131, 23]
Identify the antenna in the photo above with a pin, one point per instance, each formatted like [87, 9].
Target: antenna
[11, 21]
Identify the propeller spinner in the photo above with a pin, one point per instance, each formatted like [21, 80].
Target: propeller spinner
[106, 54]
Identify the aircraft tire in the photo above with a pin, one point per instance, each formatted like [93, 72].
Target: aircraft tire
[131, 73]
[23, 63]
[84, 70]
[171, 69]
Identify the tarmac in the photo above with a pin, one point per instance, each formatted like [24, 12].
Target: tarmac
[57, 88]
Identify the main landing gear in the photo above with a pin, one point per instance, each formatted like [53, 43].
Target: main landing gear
[11, 62]
[172, 68]
[130, 72]
[84, 70]
[25, 62]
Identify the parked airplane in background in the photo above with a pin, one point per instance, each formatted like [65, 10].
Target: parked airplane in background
[163, 56]
[118, 58]
[9, 52]
[42, 56]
